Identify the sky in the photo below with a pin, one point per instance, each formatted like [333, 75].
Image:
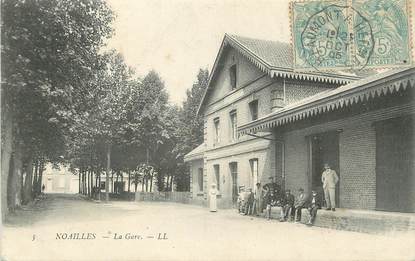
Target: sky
[177, 37]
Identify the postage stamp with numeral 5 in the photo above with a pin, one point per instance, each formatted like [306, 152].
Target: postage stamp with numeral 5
[351, 34]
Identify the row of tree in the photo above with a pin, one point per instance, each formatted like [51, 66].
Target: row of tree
[65, 101]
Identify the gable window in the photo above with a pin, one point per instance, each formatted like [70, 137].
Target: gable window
[200, 178]
[216, 123]
[232, 75]
[253, 108]
[234, 126]
[217, 176]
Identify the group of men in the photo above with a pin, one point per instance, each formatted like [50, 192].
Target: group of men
[255, 202]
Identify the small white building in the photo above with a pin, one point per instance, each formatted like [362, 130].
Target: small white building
[60, 180]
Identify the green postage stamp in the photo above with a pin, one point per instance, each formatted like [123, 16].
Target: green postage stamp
[350, 34]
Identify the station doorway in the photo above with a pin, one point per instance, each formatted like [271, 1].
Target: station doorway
[324, 148]
[395, 152]
[233, 166]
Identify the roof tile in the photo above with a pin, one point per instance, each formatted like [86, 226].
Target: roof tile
[274, 53]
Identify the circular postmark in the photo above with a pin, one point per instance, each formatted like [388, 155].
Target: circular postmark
[337, 36]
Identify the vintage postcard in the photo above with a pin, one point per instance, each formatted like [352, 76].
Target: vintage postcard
[207, 130]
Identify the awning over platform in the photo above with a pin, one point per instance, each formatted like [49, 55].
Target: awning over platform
[195, 154]
[362, 90]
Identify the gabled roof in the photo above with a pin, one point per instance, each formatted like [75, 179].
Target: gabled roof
[274, 54]
[196, 153]
[272, 57]
[373, 86]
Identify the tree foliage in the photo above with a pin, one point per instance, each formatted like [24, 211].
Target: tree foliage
[65, 101]
[49, 50]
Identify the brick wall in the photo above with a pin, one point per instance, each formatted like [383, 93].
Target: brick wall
[297, 90]
[296, 160]
[357, 159]
[357, 156]
[358, 166]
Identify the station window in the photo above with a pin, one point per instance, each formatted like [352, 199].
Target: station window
[200, 178]
[253, 107]
[233, 77]
[234, 125]
[254, 172]
[216, 123]
[217, 175]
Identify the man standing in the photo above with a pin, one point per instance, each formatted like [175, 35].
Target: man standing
[257, 197]
[249, 209]
[329, 179]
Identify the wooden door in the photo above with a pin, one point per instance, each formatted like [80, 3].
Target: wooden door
[394, 165]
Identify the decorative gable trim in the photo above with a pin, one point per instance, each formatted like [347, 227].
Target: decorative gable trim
[333, 100]
[271, 70]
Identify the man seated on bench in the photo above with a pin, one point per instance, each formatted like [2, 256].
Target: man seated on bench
[300, 203]
[314, 205]
[287, 204]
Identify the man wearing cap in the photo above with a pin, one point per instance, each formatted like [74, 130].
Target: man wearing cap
[299, 203]
[313, 206]
[287, 205]
[329, 179]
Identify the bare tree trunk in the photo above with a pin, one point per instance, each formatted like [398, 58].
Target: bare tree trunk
[91, 183]
[27, 195]
[16, 179]
[6, 154]
[81, 178]
[112, 181]
[122, 182]
[90, 179]
[171, 183]
[168, 182]
[34, 181]
[151, 182]
[99, 185]
[88, 188]
[80, 181]
[146, 184]
[147, 161]
[40, 176]
[107, 183]
[116, 182]
[129, 180]
[84, 183]
[142, 184]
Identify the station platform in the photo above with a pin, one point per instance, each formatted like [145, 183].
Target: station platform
[367, 221]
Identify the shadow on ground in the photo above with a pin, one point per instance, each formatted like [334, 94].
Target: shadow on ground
[59, 206]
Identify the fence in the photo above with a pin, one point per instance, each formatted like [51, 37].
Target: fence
[180, 197]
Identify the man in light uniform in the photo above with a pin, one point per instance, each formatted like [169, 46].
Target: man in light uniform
[329, 179]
